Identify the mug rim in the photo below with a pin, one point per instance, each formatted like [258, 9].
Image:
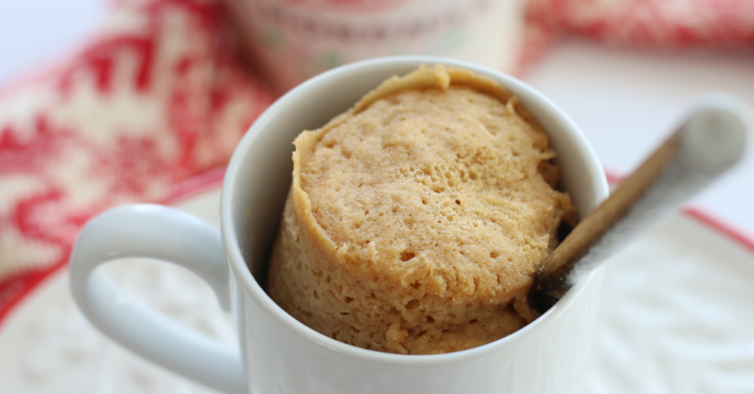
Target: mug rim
[251, 287]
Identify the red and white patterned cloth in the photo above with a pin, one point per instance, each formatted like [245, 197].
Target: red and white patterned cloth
[157, 97]
[669, 25]
[161, 95]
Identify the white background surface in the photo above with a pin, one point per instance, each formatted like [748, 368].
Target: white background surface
[676, 317]
[625, 101]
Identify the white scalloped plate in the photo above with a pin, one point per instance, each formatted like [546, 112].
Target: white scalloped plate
[678, 318]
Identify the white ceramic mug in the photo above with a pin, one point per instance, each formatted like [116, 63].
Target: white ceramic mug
[277, 353]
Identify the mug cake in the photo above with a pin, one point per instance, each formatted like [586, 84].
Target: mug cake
[417, 219]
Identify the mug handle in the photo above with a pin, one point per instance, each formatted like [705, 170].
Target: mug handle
[158, 232]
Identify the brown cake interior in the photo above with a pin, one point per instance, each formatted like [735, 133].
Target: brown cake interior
[416, 219]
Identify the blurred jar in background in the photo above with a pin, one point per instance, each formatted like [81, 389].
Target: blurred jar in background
[293, 40]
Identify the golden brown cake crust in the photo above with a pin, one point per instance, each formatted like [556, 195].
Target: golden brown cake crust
[416, 219]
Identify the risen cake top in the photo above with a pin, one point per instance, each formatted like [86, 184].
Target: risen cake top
[438, 184]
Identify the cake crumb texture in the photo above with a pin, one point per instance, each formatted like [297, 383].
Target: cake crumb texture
[416, 219]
